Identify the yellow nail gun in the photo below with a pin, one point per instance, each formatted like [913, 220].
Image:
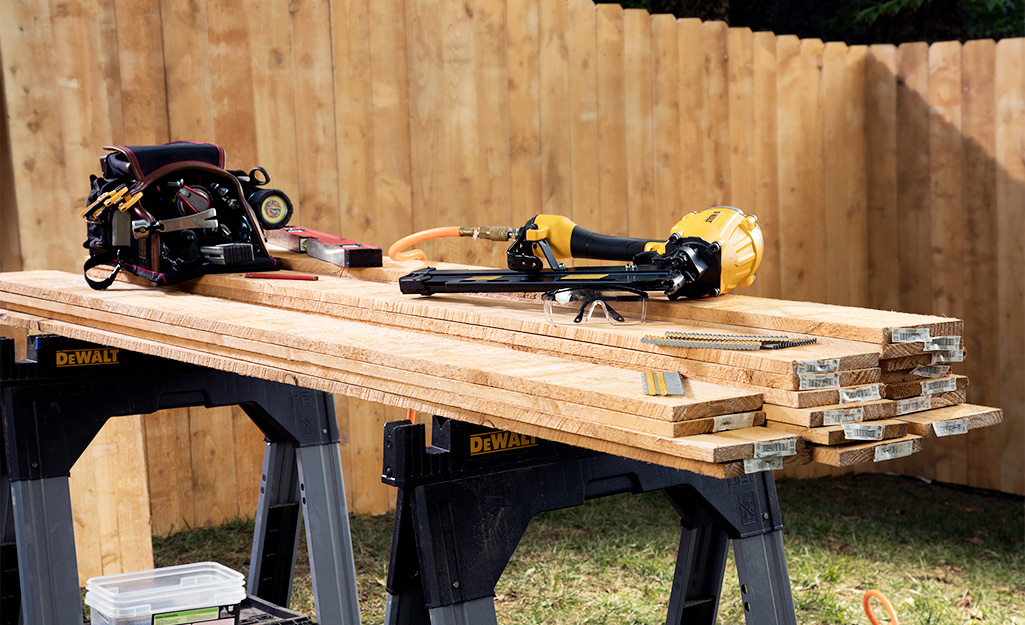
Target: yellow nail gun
[707, 253]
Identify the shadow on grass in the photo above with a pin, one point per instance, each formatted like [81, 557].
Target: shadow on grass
[943, 555]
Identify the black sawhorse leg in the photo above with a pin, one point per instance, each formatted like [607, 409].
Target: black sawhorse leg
[55, 403]
[464, 503]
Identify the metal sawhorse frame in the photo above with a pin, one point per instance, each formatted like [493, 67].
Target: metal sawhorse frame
[464, 503]
[55, 403]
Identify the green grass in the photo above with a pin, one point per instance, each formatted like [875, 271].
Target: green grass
[941, 554]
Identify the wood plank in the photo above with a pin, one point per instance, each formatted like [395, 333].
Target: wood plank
[666, 119]
[697, 194]
[169, 460]
[857, 453]
[553, 68]
[493, 168]
[36, 134]
[857, 176]
[741, 119]
[86, 510]
[881, 175]
[834, 435]
[905, 362]
[583, 105]
[274, 94]
[392, 191]
[612, 180]
[316, 137]
[982, 318]
[902, 390]
[10, 235]
[795, 232]
[816, 417]
[231, 87]
[913, 217]
[834, 94]
[187, 68]
[640, 205]
[523, 36]
[766, 164]
[975, 417]
[127, 495]
[577, 434]
[248, 447]
[141, 79]
[1010, 207]
[717, 111]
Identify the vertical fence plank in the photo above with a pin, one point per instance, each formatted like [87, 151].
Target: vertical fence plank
[981, 315]
[248, 452]
[10, 234]
[36, 134]
[493, 168]
[169, 459]
[187, 63]
[881, 176]
[556, 166]
[740, 46]
[524, 116]
[612, 179]
[833, 93]
[946, 218]
[640, 184]
[141, 73]
[315, 114]
[231, 87]
[213, 465]
[666, 117]
[583, 105]
[1010, 196]
[85, 494]
[717, 110]
[766, 163]
[272, 67]
[696, 194]
[857, 171]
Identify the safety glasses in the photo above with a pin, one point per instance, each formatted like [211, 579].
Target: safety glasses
[616, 305]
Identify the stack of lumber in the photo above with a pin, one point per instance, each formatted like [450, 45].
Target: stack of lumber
[845, 399]
[332, 335]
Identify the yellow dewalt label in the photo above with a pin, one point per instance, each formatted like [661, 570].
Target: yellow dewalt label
[712, 217]
[584, 276]
[87, 357]
[490, 442]
[478, 278]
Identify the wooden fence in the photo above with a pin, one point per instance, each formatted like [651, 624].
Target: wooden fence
[883, 176]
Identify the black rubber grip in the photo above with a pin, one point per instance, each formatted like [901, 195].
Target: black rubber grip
[586, 244]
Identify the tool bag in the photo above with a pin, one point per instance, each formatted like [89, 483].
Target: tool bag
[170, 213]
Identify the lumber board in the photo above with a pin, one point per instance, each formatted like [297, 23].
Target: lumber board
[570, 432]
[666, 119]
[523, 40]
[697, 194]
[857, 453]
[881, 175]
[973, 416]
[556, 148]
[905, 362]
[766, 164]
[833, 92]
[612, 144]
[583, 107]
[640, 207]
[902, 390]
[715, 47]
[817, 417]
[909, 375]
[741, 135]
[836, 434]
[856, 150]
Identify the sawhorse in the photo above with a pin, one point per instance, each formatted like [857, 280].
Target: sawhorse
[464, 503]
[55, 403]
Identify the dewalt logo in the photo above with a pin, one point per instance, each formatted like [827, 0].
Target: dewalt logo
[87, 357]
[491, 442]
[711, 218]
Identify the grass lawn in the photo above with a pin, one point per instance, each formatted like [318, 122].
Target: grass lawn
[941, 554]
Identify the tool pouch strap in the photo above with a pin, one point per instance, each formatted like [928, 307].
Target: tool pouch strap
[102, 259]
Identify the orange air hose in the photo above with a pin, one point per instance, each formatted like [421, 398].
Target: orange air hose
[395, 251]
[886, 605]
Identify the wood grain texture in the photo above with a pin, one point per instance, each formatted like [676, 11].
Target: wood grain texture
[697, 194]
[553, 68]
[881, 176]
[523, 36]
[741, 94]
[612, 171]
[766, 164]
[715, 44]
[234, 126]
[857, 453]
[583, 106]
[814, 417]
[835, 434]
[833, 92]
[1010, 207]
[666, 117]
[857, 159]
[637, 85]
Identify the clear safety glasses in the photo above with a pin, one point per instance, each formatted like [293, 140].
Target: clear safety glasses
[616, 305]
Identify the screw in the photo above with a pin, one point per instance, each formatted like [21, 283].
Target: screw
[455, 584]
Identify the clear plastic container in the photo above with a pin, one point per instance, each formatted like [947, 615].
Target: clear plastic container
[204, 592]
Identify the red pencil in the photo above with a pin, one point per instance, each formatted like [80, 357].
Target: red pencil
[281, 276]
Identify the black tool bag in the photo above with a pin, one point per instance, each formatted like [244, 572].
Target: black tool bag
[171, 212]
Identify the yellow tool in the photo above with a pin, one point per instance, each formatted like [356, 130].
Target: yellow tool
[707, 253]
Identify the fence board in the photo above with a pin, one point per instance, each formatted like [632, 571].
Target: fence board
[142, 83]
[637, 83]
[766, 163]
[833, 93]
[231, 87]
[583, 105]
[947, 222]
[740, 46]
[1010, 205]
[881, 174]
[553, 68]
[248, 455]
[612, 174]
[524, 118]
[666, 116]
[857, 189]
[169, 459]
[717, 112]
[696, 193]
[981, 318]
[10, 239]
[187, 68]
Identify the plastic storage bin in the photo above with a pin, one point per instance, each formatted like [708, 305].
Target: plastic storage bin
[204, 592]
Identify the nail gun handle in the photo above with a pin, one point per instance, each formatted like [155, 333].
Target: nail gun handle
[587, 244]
